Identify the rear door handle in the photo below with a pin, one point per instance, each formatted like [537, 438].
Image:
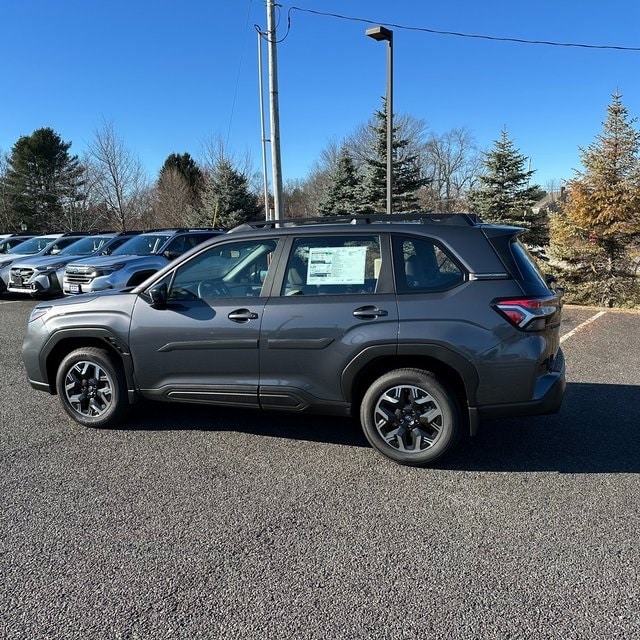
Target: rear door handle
[242, 315]
[369, 313]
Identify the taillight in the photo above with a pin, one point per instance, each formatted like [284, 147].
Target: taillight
[528, 314]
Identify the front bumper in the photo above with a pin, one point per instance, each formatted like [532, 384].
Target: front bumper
[101, 283]
[39, 284]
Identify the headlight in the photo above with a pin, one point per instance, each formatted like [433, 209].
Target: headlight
[50, 269]
[105, 271]
[38, 312]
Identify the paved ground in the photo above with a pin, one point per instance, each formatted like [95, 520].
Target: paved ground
[202, 523]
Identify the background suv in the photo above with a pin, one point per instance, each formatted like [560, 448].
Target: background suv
[46, 245]
[133, 262]
[420, 325]
[42, 275]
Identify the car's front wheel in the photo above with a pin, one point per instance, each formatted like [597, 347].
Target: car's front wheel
[408, 416]
[91, 387]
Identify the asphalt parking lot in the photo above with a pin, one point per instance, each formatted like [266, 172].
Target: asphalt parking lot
[195, 522]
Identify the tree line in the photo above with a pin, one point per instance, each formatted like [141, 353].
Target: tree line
[586, 236]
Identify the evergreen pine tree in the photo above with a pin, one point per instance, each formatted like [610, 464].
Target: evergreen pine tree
[43, 179]
[344, 192]
[186, 166]
[505, 195]
[227, 200]
[592, 235]
[407, 176]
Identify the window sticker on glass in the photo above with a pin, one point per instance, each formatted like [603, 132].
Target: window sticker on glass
[336, 265]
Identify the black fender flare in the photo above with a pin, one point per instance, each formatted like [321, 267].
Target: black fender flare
[83, 335]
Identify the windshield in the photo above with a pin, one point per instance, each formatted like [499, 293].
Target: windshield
[9, 243]
[85, 247]
[33, 246]
[143, 245]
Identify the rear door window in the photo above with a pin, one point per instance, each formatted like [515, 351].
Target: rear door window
[333, 265]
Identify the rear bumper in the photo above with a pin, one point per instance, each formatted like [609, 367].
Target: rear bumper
[549, 392]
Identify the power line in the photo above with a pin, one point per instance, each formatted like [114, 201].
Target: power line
[240, 63]
[458, 34]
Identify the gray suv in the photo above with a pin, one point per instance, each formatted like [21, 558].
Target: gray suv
[421, 325]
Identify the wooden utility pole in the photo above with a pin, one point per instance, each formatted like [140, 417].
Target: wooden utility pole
[276, 165]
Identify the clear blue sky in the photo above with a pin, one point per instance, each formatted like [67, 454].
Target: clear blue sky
[172, 75]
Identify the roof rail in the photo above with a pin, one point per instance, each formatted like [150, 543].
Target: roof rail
[462, 219]
[180, 229]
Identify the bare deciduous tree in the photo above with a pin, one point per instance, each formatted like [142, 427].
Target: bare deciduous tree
[174, 201]
[119, 178]
[299, 199]
[451, 164]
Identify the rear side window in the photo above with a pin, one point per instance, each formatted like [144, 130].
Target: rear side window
[421, 265]
[526, 264]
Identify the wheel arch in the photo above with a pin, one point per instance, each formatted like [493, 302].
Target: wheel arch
[451, 369]
[64, 342]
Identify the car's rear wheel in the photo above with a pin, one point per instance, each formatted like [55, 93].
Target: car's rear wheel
[408, 416]
[91, 387]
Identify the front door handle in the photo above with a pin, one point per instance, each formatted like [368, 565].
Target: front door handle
[369, 313]
[242, 315]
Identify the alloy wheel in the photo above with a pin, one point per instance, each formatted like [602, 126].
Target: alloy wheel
[408, 418]
[88, 389]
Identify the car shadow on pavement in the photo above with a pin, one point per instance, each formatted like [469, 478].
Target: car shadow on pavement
[596, 431]
[295, 426]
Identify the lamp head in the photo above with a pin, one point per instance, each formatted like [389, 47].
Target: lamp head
[379, 33]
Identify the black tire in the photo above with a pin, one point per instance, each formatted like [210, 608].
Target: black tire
[408, 416]
[90, 384]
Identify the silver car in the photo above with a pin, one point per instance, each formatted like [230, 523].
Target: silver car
[132, 263]
[48, 245]
[42, 275]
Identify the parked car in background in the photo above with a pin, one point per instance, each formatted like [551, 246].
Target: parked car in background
[42, 275]
[12, 240]
[45, 245]
[133, 262]
[420, 325]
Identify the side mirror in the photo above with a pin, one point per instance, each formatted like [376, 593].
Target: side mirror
[170, 255]
[549, 279]
[159, 296]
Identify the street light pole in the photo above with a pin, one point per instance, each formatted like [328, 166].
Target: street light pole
[382, 33]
